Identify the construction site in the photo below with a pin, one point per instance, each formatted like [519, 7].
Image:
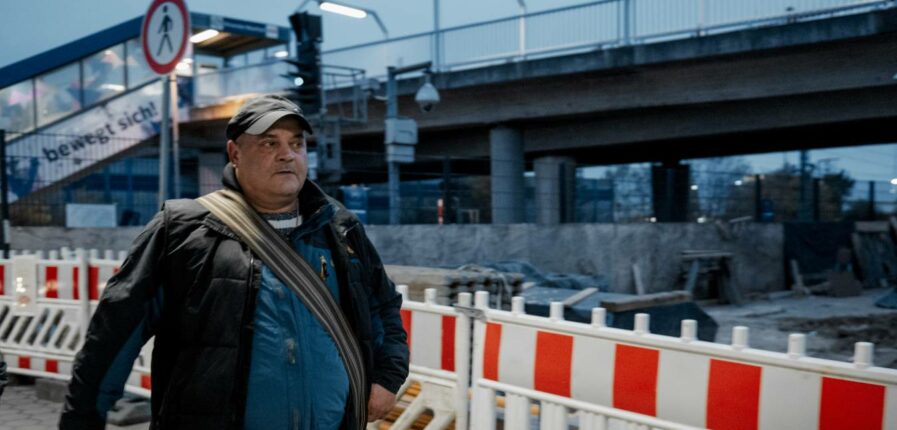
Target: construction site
[610, 214]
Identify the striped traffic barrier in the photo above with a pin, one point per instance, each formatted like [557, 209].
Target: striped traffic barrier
[439, 346]
[677, 381]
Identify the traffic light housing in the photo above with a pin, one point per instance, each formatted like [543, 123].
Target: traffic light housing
[305, 76]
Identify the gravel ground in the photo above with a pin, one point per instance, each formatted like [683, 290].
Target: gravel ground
[832, 324]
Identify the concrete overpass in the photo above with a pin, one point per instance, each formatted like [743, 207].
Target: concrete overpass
[822, 83]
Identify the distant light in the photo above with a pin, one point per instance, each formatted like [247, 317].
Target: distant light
[298, 81]
[204, 35]
[183, 67]
[281, 54]
[113, 87]
[694, 188]
[652, 219]
[894, 181]
[187, 60]
[702, 220]
[343, 10]
[738, 183]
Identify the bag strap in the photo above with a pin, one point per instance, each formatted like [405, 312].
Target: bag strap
[295, 272]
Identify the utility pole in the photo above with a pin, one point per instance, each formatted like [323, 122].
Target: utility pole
[400, 133]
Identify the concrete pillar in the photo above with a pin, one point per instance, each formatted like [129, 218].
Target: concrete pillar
[555, 190]
[670, 189]
[211, 164]
[506, 158]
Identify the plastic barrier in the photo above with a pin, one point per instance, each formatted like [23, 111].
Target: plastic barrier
[439, 343]
[606, 375]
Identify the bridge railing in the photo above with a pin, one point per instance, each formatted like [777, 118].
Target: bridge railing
[589, 26]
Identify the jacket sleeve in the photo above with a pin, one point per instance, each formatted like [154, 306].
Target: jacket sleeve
[390, 355]
[123, 321]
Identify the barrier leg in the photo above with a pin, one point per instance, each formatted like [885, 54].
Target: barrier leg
[441, 420]
[517, 412]
[590, 421]
[553, 417]
[483, 409]
[410, 415]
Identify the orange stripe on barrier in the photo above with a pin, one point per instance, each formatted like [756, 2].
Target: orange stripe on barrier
[75, 293]
[406, 323]
[51, 366]
[24, 362]
[553, 361]
[146, 382]
[448, 343]
[93, 283]
[635, 379]
[491, 351]
[850, 404]
[52, 273]
[733, 396]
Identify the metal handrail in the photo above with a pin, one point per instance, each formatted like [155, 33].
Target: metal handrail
[619, 39]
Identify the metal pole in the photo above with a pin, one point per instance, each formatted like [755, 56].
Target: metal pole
[175, 136]
[521, 28]
[871, 200]
[392, 111]
[805, 208]
[4, 198]
[164, 141]
[437, 36]
[627, 21]
[758, 198]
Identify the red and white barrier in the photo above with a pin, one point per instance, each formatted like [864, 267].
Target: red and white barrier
[439, 345]
[674, 382]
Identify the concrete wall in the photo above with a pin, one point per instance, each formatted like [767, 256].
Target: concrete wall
[606, 249]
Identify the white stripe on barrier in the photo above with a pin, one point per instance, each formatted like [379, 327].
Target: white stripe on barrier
[681, 378]
[593, 361]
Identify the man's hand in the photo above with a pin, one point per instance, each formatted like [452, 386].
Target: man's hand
[381, 402]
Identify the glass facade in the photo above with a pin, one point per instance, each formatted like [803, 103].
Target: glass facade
[17, 106]
[138, 72]
[104, 74]
[58, 93]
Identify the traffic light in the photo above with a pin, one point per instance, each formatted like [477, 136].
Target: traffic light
[306, 75]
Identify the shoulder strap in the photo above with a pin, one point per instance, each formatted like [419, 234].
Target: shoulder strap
[291, 269]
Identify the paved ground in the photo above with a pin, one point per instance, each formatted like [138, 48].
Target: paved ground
[20, 409]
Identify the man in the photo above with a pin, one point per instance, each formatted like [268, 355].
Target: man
[234, 347]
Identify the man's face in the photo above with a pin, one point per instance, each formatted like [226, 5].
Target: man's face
[271, 167]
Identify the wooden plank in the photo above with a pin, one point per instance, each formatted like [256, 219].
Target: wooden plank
[798, 286]
[622, 304]
[871, 226]
[692, 281]
[637, 277]
[706, 255]
[578, 297]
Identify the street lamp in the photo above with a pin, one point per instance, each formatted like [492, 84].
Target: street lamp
[349, 11]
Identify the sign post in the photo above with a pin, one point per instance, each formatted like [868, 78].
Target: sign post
[164, 37]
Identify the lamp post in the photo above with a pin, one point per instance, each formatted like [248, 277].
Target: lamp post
[401, 133]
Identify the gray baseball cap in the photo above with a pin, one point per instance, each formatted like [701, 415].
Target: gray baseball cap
[258, 115]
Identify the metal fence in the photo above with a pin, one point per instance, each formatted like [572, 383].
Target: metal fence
[47, 187]
[589, 26]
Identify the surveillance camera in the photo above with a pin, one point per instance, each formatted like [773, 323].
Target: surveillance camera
[427, 97]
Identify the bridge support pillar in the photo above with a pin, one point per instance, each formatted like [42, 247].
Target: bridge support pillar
[555, 190]
[507, 164]
[670, 189]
